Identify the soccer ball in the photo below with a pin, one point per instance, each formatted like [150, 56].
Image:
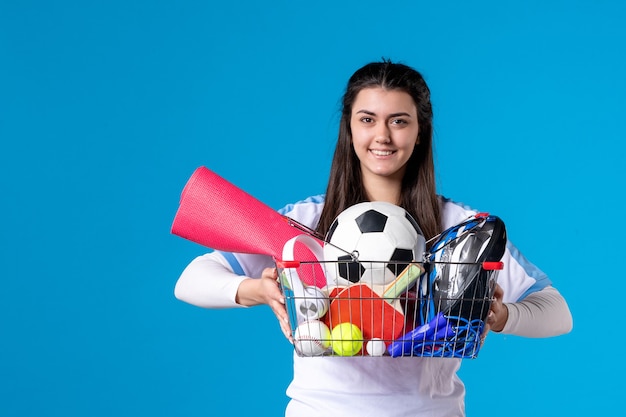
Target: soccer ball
[373, 242]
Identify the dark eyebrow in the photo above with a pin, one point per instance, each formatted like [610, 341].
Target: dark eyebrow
[400, 114]
[391, 115]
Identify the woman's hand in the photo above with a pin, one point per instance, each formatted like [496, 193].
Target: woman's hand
[498, 313]
[265, 290]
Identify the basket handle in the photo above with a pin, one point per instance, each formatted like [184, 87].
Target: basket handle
[311, 302]
[288, 261]
[287, 264]
[493, 266]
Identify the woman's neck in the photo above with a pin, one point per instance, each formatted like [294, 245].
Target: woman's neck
[385, 189]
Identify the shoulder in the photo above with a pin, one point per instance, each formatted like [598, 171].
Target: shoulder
[453, 212]
[305, 211]
[520, 277]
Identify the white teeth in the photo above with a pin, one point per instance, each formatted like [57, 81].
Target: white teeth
[381, 153]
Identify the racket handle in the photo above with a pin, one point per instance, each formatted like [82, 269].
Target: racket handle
[403, 282]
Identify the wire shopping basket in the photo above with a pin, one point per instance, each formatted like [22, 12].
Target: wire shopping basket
[415, 313]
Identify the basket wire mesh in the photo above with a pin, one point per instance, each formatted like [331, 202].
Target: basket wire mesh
[413, 314]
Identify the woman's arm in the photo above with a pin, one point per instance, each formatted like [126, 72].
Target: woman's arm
[540, 314]
[209, 282]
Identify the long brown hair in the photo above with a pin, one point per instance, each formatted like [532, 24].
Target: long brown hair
[345, 186]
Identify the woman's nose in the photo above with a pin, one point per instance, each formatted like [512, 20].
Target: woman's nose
[382, 138]
[382, 134]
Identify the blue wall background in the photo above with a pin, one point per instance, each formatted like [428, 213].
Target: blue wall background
[107, 107]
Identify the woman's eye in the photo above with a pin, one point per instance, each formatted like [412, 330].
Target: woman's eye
[366, 120]
[398, 122]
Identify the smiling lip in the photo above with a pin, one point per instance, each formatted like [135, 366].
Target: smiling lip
[379, 152]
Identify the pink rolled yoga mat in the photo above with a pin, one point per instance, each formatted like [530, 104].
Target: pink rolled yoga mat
[217, 214]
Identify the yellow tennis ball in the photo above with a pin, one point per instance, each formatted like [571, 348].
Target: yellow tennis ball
[346, 339]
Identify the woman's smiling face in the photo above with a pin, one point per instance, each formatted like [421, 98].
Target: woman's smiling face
[384, 131]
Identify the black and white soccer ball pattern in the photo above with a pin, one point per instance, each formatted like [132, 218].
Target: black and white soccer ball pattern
[384, 237]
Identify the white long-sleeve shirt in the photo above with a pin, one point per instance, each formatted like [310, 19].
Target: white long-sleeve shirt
[369, 386]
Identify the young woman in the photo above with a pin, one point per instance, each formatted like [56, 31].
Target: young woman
[383, 153]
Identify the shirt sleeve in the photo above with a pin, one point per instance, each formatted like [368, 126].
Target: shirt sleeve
[536, 308]
[212, 280]
[542, 313]
[209, 282]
